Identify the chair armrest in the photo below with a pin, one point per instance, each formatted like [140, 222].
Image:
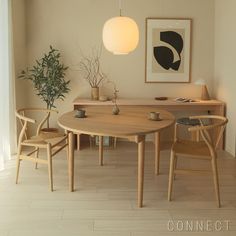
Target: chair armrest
[24, 118]
[208, 117]
[40, 109]
[223, 121]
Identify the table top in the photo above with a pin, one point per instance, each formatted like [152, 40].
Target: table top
[132, 121]
[147, 102]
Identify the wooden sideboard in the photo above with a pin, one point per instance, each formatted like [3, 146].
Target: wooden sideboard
[213, 107]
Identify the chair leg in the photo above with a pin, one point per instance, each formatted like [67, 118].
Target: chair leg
[49, 155]
[36, 157]
[216, 180]
[175, 166]
[101, 150]
[18, 163]
[171, 175]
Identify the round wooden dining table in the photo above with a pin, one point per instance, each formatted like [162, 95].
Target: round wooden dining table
[132, 123]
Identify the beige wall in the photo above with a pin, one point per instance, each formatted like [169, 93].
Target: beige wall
[19, 39]
[75, 25]
[225, 75]
[71, 25]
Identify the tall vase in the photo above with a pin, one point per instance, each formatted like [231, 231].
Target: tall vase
[95, 93]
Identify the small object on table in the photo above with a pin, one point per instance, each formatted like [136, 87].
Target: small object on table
[184, 100]
[154, 115]
[80, 113]
[161, 98]
[115, 110]
[205, 95]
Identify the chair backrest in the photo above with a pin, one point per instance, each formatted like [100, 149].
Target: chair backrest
[24, 120]
[213, 132]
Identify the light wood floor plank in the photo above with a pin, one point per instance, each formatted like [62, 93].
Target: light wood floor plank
[105, 200]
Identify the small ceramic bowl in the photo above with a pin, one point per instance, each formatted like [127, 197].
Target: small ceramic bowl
[80, 113]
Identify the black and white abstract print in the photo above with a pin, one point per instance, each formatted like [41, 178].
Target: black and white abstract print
[164, 55]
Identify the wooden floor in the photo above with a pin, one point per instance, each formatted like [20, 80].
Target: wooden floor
[104, 203]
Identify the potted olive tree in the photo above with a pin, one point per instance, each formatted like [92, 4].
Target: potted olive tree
[48, 78]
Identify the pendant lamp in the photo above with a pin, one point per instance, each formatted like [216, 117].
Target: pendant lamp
[120, 34]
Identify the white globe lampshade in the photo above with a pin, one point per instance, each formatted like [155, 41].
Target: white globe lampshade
[120, 35]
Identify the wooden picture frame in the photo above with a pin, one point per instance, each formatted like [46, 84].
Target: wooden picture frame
[168, 50]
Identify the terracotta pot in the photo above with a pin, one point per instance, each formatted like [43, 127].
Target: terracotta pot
[49, 130]
[49, 133]
[95, 93]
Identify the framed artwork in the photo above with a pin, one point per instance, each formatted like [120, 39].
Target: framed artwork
[168, 50]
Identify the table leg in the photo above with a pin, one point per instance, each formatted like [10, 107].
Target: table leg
[78, 141]
[71, 161]
[157, 153]
[141, 154]
[101, 150]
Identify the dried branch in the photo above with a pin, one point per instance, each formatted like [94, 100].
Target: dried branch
[90, 68]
